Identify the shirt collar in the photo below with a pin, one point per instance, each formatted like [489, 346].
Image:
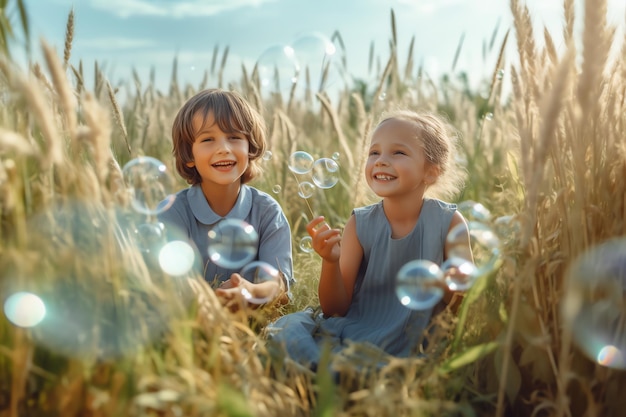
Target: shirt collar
[205, 214]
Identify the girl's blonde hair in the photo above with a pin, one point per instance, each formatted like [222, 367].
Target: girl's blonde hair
[440, 142]
[232, 113]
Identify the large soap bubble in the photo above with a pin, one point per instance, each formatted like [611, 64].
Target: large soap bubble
[232, 243]
[150, 185]
[260, 272]
[419, 284]
[594, 306]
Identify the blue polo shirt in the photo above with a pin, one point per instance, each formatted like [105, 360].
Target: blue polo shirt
[191, 214]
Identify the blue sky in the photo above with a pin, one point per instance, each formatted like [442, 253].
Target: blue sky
[144, 34]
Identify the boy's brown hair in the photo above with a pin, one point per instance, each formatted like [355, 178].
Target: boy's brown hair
[232, 113]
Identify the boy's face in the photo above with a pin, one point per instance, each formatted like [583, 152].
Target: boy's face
[396, 165]
[221, 158]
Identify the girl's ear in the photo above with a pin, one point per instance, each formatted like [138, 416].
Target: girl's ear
[190, 164]
[432, 173]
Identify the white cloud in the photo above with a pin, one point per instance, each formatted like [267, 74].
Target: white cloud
[116, 43]
[176, 9]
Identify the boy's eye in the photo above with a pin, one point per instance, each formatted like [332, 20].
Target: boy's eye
[399, 153]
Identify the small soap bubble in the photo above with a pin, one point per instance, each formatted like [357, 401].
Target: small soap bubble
[24, 309]
[150, 186]
[301, 162]
[336, 156]
[232, 243]
[382, 96]
[473, 210]
[306, 189]
[260, 272]
[149, 236]
[484, 244]
[488, 116]
[500, 74]
[267, 155]
[460, 274]
[277, 189]
[325, 173]
[306, 244]
[419, 284]
[594, 306]
[507, 227]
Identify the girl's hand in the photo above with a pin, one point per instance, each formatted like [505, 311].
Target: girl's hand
[326, 241]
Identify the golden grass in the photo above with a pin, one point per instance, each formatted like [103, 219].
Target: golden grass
[551, 156]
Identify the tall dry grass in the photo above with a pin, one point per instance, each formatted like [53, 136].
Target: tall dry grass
[551, 155]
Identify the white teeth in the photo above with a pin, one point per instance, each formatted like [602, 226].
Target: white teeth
[223, 164]
[383, 177]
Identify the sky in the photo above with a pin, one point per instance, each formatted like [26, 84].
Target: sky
[140, 35]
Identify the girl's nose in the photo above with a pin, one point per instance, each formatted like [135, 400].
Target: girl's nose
[381, 161]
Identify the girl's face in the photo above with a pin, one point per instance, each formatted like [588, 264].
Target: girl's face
[221, 158]
[396, 165]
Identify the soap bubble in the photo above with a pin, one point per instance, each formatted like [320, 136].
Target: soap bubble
[316, 54]
[594, 304]
[260, 272]
[267, 155]
[232, 243]
[472, 210]
[325, 172]
[300, 162]
[419, 284]
[484, 243]
[306, 189]
[149, 236]
[277, 189]
[460, 274]
[278, 69]
[306, 244]
[24, 309]
[150, 186]
[177, 258]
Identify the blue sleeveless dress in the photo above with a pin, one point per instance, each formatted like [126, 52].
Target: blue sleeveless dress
[375, 315]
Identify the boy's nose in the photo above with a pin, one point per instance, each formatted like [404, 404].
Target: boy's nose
[224, 146]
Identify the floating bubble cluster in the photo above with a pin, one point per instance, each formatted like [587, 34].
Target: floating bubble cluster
[473, 253]
[99, 299]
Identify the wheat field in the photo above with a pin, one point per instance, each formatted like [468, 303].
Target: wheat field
[548, 159]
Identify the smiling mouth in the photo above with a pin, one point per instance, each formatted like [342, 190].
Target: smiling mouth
[224, 164]
[384, 177]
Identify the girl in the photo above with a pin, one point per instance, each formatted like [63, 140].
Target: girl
[218, 141]
[410, 155]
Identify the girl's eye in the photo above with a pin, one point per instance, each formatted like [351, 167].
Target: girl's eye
[206, 140]
[399, 153]
[373, 153]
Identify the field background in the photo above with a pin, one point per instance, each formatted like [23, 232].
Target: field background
[546, 156]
